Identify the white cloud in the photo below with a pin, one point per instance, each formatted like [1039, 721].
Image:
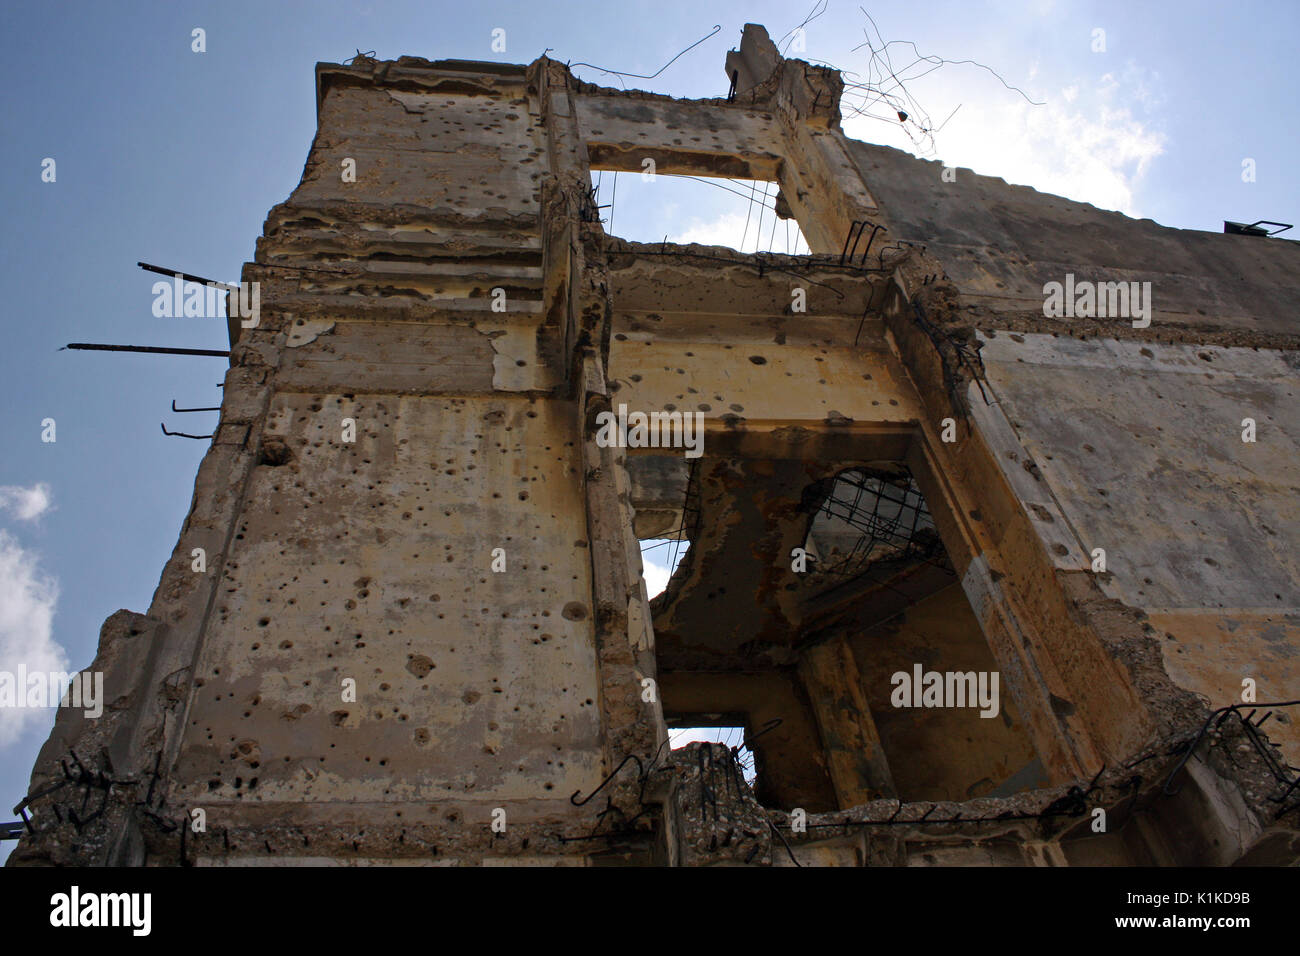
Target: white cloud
[729, 229]
[27, 599]
[657, 562]
[1088, 143]
[1143, 86]
[25, 504]
[655, 573]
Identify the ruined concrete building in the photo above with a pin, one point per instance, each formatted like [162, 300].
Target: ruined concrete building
[429, 641]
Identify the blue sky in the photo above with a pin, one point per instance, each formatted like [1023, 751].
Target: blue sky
[170, 156]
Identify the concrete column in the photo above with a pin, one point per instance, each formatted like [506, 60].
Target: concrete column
[854, 756]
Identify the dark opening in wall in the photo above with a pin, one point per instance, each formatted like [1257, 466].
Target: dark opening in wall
[881, 593]
[744, 628]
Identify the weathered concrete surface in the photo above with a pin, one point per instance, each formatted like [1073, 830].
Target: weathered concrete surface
[999, 244]
[943, 753]
[682, 322]
[1141, 445]
[450, 680]
[681, 137]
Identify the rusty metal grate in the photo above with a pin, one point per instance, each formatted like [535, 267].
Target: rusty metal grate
[866, 518]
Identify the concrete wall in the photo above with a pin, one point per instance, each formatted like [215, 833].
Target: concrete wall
[372, 561]
[1141, 446]
[943, 753]
[999, 244]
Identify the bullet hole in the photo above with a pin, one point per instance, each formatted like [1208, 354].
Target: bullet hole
[470, 696]
[1147, 353]
[338, 717]
[1042, 513]
[263, 621]
[573, 611]
[275, 452]
[285, 645]
[758, 360]
[249, 751]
